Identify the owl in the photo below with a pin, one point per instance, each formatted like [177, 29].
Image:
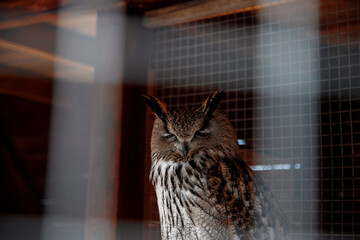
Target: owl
[204, 189]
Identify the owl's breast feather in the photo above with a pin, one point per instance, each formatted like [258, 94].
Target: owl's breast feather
[186, 211]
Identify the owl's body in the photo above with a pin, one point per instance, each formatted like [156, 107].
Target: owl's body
[204, 189]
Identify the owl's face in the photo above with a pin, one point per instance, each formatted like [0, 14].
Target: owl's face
[186, 131]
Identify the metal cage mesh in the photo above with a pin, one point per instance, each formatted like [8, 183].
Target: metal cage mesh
[292, 80]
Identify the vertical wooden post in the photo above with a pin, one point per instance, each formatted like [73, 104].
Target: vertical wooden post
[102, 191]
[131, 178]
[133, 125]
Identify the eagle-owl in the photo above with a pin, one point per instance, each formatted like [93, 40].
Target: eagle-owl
[204, 189]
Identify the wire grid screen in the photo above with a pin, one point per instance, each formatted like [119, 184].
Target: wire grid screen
[292, 96]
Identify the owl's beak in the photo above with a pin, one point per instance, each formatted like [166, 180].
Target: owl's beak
[185, 148]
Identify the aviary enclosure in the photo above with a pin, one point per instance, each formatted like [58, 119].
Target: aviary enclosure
[75, 133]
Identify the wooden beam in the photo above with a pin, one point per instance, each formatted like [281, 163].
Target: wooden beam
[26, 58]
[44, 55]
[51, 16]
[27, 20]
[199, 10]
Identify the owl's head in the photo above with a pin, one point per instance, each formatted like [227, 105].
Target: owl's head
[187, 130]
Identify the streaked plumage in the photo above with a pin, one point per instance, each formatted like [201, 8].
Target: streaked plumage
[204, 189]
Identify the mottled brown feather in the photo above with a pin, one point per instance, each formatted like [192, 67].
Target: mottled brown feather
[208, 192]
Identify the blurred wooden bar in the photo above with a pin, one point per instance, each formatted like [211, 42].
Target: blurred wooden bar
[200, 10]
[102, 191]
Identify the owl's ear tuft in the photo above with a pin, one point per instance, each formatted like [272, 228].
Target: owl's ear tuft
[211, 104]
[157, 107]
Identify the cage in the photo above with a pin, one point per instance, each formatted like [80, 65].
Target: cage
[76, 133]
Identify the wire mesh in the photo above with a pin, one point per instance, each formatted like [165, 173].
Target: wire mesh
[292, 80]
